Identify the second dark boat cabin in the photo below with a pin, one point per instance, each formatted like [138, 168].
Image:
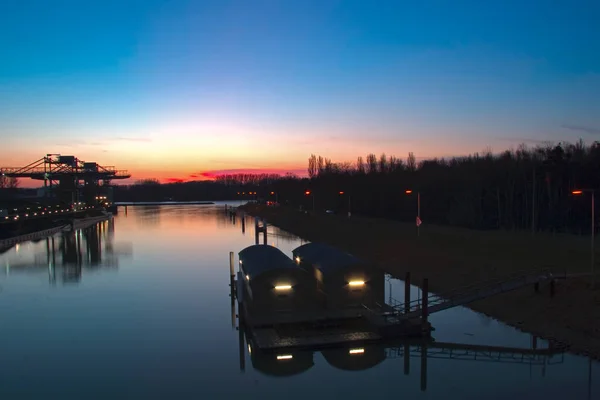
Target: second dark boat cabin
[346, 280]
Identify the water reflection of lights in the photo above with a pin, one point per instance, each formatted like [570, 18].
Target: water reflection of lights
[356, 351]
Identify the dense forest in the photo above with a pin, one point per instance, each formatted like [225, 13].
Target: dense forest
[526, 188]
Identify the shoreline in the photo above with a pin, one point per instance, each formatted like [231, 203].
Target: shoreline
[161, 203]
[454, 257]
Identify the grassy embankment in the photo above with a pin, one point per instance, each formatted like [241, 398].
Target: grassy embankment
[454, 257]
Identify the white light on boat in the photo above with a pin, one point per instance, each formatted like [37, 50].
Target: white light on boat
[298, 260]
[356, 283]
[249, 349]
[356, 351]
[248, 277]
[285, 357]
[283, 287]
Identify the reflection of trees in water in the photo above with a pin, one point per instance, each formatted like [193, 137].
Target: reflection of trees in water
[281, 235]
[147, 215]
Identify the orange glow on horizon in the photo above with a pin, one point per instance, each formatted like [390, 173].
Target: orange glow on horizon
[307, 192]
[576, 192]
[408, 191]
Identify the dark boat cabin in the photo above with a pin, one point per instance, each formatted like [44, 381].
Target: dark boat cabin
[346, 280]
[273, 282]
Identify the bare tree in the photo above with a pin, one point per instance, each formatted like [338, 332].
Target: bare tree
[312, 166]
[360, 165]
[371, 163]
[411, 162]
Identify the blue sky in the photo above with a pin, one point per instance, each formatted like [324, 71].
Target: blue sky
[191, 86]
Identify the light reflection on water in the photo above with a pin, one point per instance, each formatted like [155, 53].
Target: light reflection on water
[139, 308]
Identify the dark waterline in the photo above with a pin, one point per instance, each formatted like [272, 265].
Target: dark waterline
[148, 315]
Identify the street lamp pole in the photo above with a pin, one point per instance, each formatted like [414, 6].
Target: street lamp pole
[593, 235]
[349, 203]
[592, 244]
[418, 221]
[349, 206]
[309, 193]
[418, 211]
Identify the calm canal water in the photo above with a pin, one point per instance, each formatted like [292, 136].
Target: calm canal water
[148, 315]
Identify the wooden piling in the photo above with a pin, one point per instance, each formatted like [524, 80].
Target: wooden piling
[231, 267]
[425, 301]
[423, 367]
[243, 218]
[242, 347]
[264, 228]
[552, 288]
[407, 293]
[534, 344]
[537, 287]
[406, 359]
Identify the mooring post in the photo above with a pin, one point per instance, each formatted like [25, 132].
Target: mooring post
[242, 347]
[536, 286]
[425, 312]
[231, 267]
[256, 230]
[552, 287]
[264, 228]
[423, 367]
[406, 359]
[53, 252]
[232, 309]
[407, 293]
[243, 217]
[534, 345]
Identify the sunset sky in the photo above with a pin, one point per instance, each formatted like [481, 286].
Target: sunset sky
[179, 89]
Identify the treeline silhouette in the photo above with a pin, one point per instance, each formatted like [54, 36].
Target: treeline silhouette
[525, 188]
[153, 190]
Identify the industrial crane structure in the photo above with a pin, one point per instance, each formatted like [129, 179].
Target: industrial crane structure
[70, 180]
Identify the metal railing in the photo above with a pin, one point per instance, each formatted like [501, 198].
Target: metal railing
[469, 352]
[468, 294]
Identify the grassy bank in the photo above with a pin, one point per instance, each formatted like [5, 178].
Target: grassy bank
[454, 257]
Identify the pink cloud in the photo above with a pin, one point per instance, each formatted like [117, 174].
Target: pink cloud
[214, 173]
